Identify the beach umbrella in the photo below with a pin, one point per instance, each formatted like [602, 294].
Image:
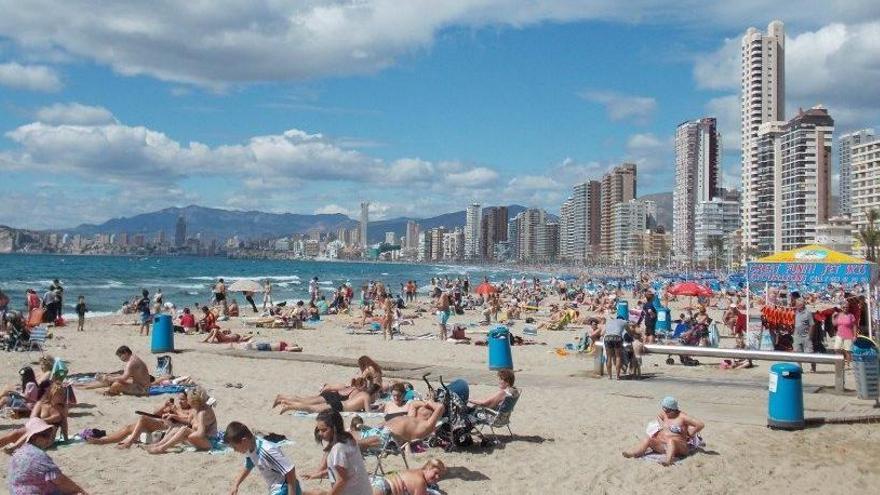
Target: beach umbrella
[486, 288]
[245, 285]
[689, 289]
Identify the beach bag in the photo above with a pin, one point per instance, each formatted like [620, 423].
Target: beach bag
[458, 332]
[163, 366]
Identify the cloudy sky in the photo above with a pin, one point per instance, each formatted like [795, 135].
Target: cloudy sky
[419, 107]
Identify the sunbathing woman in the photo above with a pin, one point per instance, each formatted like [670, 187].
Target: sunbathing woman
[201, 433]
[208, 321]
[369, 371]
[218, 336]
[22, 399]
[411, 481]
[673, 431]
[419, 424]
[172, 415]
[51, 408]
[265, 346]
[359, 401]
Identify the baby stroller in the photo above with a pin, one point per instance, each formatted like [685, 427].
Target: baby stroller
[455, 424]
[18, 336]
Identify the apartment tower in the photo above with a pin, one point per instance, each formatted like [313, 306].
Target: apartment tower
[697, 156]
[618, 186]
[762, 100]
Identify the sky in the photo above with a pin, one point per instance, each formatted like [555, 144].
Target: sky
[420, 107]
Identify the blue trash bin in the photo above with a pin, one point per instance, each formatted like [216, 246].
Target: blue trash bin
[785, 409]
[623, 310]
[163, 334]
[500, 357]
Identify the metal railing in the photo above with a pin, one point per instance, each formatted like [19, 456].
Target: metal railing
[718, 352]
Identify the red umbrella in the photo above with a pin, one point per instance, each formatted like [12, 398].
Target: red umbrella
[689, 289]
[486, 288]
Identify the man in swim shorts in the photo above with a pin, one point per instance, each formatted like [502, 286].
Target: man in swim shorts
[443, 313]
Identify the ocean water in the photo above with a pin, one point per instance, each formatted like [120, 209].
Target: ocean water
[107, 281]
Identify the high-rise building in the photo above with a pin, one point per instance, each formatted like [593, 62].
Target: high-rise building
[365, 220]
[547, 242]
[390, 238]
[844, 159]
[180, 232]
[713, 221]
[836, 234]
[472, 232]
[513, 237]
[697, 159]
[865, 177]
[494, 230]
[425, 247]
[437, 243]
[618, 186]
[794, 180]
[629, 219]
[763, 100]
[412, 235]
[580, 223]
[531, 221]
[453, 245]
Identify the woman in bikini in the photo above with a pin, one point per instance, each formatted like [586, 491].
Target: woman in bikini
[674, 430]
[360, 400]
[218, 336]
[51, 408]
[411, 481]
[172, 415]
[201, 433]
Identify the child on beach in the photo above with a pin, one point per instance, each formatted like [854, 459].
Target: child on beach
[277, 470]
[81, 313]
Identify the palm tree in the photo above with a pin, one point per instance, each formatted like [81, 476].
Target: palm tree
[870, 236]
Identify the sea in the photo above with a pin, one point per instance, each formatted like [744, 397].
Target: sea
[107, 281]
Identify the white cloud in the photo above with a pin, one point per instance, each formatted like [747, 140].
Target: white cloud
[74, 114]
[239, 41]
[331, 209]
[834, 65]
[533, 183]
[476, 177]
[652, 155]
[29, 77]
[619, 106]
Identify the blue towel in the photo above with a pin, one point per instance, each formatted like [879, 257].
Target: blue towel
[167, 389]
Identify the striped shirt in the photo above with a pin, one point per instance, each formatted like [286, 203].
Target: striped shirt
[270, 462]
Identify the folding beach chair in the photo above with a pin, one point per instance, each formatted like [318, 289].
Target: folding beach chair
[388, 448]
[495, 419]
[37, 338]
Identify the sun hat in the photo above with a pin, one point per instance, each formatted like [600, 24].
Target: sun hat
[669, 403]
[35, 426]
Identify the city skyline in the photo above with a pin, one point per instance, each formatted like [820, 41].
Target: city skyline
[403, 124]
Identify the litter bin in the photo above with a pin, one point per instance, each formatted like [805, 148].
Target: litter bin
[785, 408]
[866, 368]
[500, 357]
[623, 310]
[163, 334]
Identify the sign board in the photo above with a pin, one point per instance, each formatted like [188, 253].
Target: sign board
[809, 272]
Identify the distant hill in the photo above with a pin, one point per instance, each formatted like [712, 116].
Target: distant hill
[217, 223]
[221, 224]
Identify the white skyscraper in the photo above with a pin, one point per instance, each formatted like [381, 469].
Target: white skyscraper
[697, 157]
[845, 146]
[763, 100]
[365, 219]
[472, 232]
[629, 219]
[865, 177]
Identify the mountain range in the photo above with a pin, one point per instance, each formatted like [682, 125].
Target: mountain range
[221, 224]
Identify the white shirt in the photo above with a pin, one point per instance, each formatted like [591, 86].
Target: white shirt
[270, 462]
[348, 456]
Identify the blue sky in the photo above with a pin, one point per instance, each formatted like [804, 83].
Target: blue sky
[420, 107]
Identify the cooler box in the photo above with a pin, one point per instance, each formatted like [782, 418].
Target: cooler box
[664, 320]
[163, 334]
[785, 408]
[623, 310]
[500, 357]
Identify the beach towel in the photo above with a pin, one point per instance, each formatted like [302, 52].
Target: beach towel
[345, 414]
[695, 444]
[168, 389]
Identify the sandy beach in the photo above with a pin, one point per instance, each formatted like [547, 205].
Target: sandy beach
[569, 426]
